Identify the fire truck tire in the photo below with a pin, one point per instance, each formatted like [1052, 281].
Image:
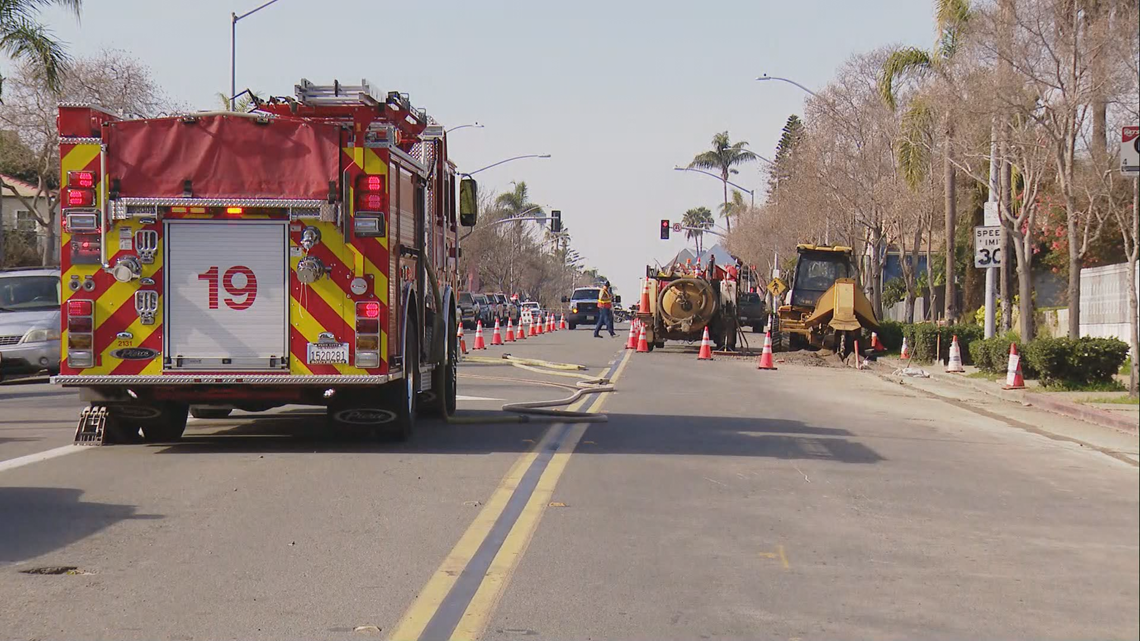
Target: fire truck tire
[402, 397]
[168, 426]
[573, 325]
[205, 411]
[444, 380]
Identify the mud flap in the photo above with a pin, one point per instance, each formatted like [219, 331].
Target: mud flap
[92, 428]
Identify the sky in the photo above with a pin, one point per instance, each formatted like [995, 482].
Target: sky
[617, 92]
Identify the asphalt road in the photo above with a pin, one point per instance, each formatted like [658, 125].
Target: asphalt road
[717, 502]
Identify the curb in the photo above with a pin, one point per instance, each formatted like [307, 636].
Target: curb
[1093, 415]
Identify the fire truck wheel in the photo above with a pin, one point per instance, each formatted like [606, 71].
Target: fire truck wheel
[402, 396]
[573, 325]
[205, 411]
[444, 380]
[167, 426]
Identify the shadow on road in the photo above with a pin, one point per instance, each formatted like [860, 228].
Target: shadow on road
[59, 393]
[624, 434]
[39, 520]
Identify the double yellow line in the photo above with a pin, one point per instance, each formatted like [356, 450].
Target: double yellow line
[461, 596]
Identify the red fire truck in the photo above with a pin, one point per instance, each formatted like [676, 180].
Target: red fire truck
[306, 252]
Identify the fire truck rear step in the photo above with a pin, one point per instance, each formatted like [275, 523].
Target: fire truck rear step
[92, 428]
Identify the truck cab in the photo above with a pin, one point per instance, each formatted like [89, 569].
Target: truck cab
[583, 306]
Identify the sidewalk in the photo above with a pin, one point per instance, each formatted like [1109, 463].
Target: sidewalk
[1125, 418]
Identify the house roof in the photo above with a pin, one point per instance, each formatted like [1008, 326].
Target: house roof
[681, 257]
[23, 188]
[720, 253]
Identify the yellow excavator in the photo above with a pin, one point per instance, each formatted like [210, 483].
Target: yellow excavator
[823, 307]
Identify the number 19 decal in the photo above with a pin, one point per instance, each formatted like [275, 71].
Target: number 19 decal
[246, 292]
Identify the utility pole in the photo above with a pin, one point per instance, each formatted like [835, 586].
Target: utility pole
[992, 202]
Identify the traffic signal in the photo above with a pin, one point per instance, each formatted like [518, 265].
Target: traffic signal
[556, 221]
[664, 230]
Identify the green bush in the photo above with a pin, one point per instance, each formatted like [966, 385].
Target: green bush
[1065, 362]
[925, 339]
[992, 354]
[891, 334]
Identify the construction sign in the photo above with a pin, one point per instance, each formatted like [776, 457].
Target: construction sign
[1130, 151]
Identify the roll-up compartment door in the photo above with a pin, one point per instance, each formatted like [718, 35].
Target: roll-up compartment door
[227, 295]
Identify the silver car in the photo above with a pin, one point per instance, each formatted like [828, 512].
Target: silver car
[29, 321]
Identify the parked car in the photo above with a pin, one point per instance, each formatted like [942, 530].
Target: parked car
[486, 309]
[510, 309]
[530, 311]
[753, 312]
[468, 310]
[29, 321]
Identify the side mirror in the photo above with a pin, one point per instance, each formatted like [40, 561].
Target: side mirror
[565, 299]
[617, 299]
[468, 202]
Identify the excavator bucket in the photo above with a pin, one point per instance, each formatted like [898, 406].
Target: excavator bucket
[843, 307]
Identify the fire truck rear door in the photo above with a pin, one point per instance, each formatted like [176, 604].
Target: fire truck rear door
[227, 298]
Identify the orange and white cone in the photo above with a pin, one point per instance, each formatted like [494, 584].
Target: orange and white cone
[479, 344]
[462, 343]
[954, 364]
[510, 337]
[550, 326]
[532, 329]
[905, 354]
[706, 347]
[766, 355]
[632, 342]
[521, 334]
[642, 343]
[876, 344]
[541, 326]
[562, 322]
[1013, 378]
[497, 336]
[643, 308]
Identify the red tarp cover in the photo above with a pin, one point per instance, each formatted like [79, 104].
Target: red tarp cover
[224, 156]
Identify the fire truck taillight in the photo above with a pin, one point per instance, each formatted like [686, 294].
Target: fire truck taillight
[81, 217]
[368, 334]
[368, 219]
[80, 333]
[81, 179]
[79, 197]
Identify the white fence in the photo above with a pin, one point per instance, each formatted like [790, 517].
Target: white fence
[1104, 301]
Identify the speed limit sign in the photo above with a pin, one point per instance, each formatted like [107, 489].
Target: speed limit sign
[987, 247]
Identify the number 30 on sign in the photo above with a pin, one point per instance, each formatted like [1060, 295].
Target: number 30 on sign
[987, 247]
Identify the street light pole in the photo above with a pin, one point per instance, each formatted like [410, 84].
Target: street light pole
[750, 192]
[475, 124]
[503, 162]
[234, 17]
[830, 106]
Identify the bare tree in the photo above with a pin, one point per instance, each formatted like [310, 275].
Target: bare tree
[111, 79]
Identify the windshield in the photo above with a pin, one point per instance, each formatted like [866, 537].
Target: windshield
[481, 299]
[28, 292]
[816, 275]
[466, 299]
[586, 294]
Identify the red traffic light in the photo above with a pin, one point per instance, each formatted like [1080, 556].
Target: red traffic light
[665, 229]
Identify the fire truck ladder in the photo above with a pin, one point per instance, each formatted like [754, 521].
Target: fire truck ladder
[339, 95]
[92, 428]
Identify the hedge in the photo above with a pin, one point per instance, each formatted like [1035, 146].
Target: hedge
[1081, 361]
[923, 340]
[992, 354]
[891, 334]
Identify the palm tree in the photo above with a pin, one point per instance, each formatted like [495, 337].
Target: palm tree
[24, 40]
[735, 207]
[515, 203]
[699, 218]
[951, 18]
[723, 157]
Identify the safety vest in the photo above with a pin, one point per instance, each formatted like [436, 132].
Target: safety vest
[605, 299]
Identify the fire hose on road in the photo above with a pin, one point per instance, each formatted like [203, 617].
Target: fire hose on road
[541, 411]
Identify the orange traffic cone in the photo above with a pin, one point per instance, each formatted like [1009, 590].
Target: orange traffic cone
[954, 364]
[766, 355]
[642, 343]
[541, 326]
[479, 344]
[632, 342]
[706, 347]
[510, 337]
[550, 326]
[533, 329]
[876, 344]
[562, 322]
[496, 337]
[521, 334]
[905, 354]
[1013, 379]
[462, 343]
[643, 307]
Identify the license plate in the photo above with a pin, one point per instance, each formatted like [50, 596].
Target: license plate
[328, 353]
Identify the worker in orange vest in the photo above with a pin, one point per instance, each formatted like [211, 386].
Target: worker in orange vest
[605, 311]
